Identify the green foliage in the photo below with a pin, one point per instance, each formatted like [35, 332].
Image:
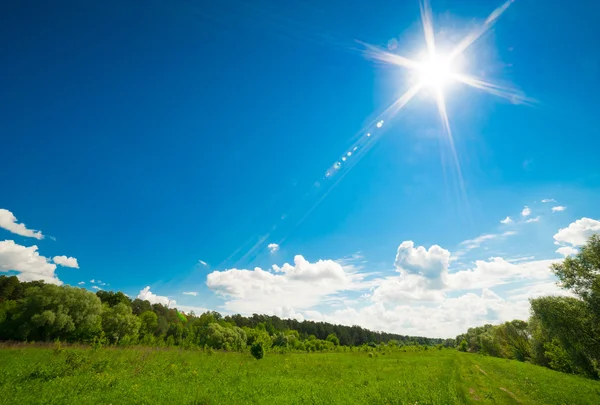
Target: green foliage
[227, 338]
[119, 323]
[48, 312]
[257, 351]
[333, 339]
[563, 333]
[112, 298]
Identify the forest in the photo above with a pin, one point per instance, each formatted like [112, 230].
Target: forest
[34, 311]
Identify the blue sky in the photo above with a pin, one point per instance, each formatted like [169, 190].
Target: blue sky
[145, 140]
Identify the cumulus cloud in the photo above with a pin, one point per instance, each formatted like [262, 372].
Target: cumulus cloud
[9, 222]
[578, 232]
[526, 211]
[445, 319]
[194, 293]
[406, 288]
[536, 219]
[507, 220]
[548, 200]
[81, 283]
[148, 295]
[424, 298]
[567, 251]
[95, 287]
[92, 281]
[558, 208]
[27, 261]
[66, 261]
[273, 247]
[300, 285]
[497, 271]
[430, 263]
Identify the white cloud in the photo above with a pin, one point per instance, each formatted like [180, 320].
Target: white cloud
[536, 219]
[567, 251]
[497, 271]
[66, 261]
[92, 281]
[299, 286]
[421, 300]
[29, 264]
[548, 200]
[471, 244]
[273, 247]
[406, 288]
[81, 283]
[148, 295]
[506, 220]
[194, 293]
[9, 222]
[202, 262]
[95, 287]
[558, 208]
[520, 259]
[578, 232]
[535, 290]
[526, 211]
[431, 263]
[445, 319]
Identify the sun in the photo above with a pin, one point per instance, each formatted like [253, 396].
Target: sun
[436, 72]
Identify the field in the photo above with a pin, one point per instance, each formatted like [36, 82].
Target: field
[34, 375]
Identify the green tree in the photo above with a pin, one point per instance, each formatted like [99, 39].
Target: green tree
[50, 312]
[228, 338]
[257, 351]
[148, 323]
[119, 323]
[111, 298]
[333, 339]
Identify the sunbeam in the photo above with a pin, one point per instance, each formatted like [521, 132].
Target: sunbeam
[434, 72]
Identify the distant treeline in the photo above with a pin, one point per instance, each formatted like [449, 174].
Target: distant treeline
[563, 333]
[35, 311]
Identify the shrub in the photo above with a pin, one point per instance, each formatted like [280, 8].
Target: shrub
[257, 351]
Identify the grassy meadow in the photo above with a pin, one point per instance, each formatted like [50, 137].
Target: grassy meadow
[36, 375]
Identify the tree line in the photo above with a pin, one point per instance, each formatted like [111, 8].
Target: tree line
[39, 312]
[563, 333]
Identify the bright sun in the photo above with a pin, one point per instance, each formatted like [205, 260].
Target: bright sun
[435, 72]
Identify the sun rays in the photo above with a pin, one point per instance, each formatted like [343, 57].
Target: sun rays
[434, 72]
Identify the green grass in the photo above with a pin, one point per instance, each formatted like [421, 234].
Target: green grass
[33, 375]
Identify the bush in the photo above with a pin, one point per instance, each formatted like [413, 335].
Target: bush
[257, 351]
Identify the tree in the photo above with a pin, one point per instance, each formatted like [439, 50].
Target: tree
[118, 322]
[574, 322]
[568, 320]
[50, 312]
[8, 285]
[257, 351]
[148, 323]
[112, 298]
[139, 306]
[228, 338]
[333, 339]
